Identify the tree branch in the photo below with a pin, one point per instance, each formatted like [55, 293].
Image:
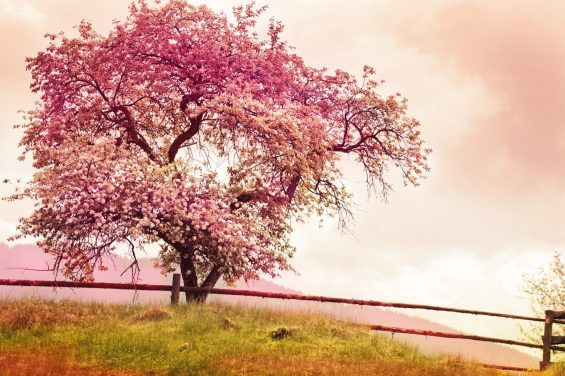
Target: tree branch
[133, 136]
[248, 196]
[292, 187]
[242, 198]
[184, 136]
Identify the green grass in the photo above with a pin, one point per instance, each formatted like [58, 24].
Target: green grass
[205, 339]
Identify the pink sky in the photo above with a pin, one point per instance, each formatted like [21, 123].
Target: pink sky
[487, 81]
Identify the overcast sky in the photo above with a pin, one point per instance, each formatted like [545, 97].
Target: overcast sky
[487, 82]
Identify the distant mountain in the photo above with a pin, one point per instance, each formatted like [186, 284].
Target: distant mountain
[25, 261]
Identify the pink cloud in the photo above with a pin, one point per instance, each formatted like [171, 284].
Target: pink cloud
[517, 50]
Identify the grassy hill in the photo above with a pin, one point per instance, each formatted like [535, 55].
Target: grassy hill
[70, 338]
[12, 259]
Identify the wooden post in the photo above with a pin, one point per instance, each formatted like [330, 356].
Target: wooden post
[175, 289]
[546, 357]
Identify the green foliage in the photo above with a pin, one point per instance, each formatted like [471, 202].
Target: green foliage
[546, 290]
[207, 340]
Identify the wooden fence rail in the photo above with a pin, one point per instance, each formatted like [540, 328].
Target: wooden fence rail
[430, 333]
[261, 294]
[548, 340]
[85, 285]
[373, 303]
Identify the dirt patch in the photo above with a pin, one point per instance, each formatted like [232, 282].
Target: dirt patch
[50, 363]
[152, 314]
[287, 366]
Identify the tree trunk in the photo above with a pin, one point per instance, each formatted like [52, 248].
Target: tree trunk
[209, 283]
[190, 279]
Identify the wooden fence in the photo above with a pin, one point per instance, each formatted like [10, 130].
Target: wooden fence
[549, 342]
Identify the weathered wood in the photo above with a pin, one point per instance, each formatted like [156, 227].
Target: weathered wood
[430, 333]
[175, 289]
[261, 294]
[508, 368]
[546, 355]
[558, 340]
[87, 285]
[558, 315]
[374, 303]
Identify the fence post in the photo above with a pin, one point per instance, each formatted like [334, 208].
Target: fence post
[546, 357]
[175, 289]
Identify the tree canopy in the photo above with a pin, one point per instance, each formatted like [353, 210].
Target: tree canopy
[188, 129]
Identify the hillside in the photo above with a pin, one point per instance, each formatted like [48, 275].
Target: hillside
[31, 257]
[70, 338]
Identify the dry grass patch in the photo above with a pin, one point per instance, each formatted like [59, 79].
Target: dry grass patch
[32, 314]
[50, 363]
[153, 313]
[302, 366]
[228, 324]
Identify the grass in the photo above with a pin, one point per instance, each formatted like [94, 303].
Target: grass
[558, 369]
[69, 338]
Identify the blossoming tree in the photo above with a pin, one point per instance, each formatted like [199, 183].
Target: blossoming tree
[186, 129]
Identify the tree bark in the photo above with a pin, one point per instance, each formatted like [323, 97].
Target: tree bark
[190, 279]
[184, 136]
[188, 271]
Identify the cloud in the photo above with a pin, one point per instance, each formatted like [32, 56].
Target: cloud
[20, 10]
[516, 49]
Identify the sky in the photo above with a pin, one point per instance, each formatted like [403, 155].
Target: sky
[487, 82]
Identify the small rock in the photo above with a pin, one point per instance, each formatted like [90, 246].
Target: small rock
[282, 333]
[185, 347]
